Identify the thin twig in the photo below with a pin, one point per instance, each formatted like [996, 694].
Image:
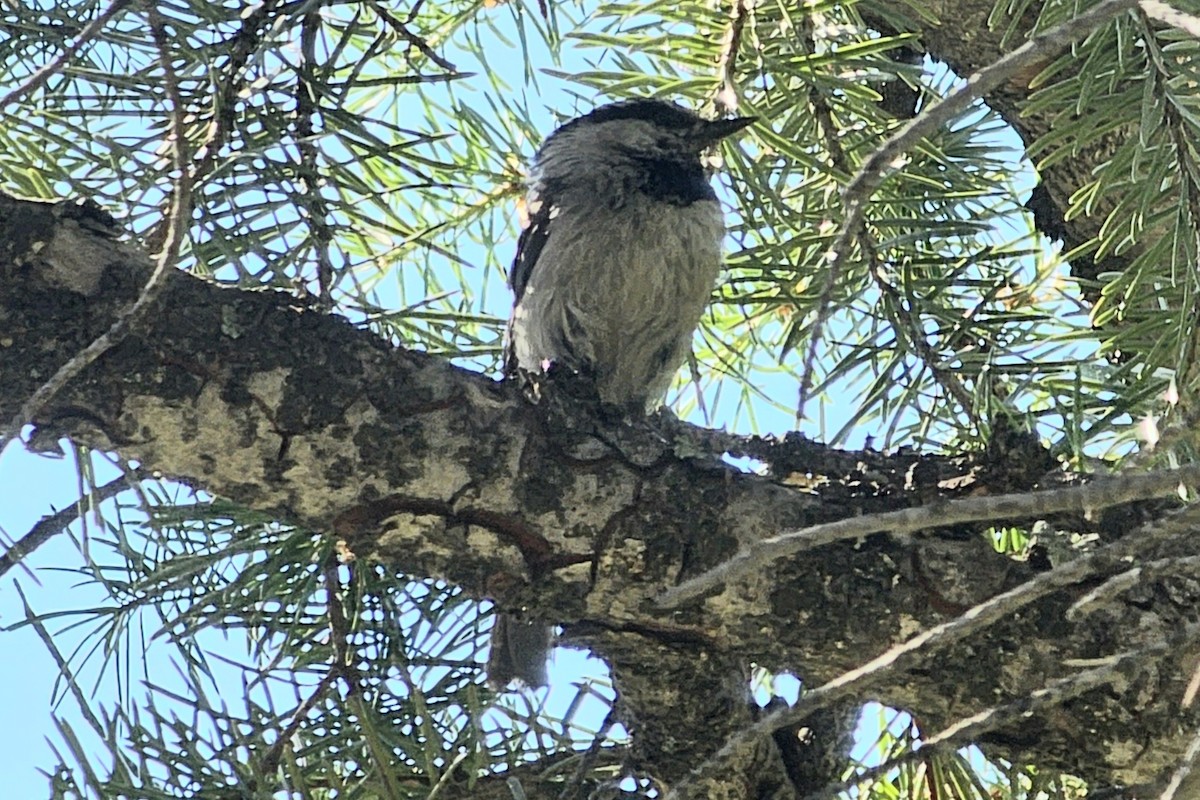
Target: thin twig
[339, 624]
[909, 329]
[873, 171]
[178, 216]
[270, 759]
[1039, 47]
[1130, 578]
[1186, 764]
[37, 79]
[416, 41]
[1188, 23]
[589, 758]
[970, 729]
[823, 115]
[725, 100]
[311, 201]
[339, 633]
[1103, 493]
[224, 106]
[947, 633]
[247, 40]
[902, 322]
[53, 524]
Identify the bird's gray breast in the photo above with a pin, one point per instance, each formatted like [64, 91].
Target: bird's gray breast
[619, 289]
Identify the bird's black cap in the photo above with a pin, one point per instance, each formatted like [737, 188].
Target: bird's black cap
[665, 114]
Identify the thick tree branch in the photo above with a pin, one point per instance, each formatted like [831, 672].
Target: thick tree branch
[438, 471]
[178, 217]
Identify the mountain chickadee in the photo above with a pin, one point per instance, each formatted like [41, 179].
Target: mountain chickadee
[622, 248]
[612, 273]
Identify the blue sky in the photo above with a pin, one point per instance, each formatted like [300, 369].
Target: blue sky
[34, 486]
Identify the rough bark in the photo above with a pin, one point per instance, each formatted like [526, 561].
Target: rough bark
[439, 471]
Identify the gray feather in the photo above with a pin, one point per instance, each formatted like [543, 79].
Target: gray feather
[622, 252]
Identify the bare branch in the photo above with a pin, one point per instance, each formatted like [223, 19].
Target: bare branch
[272, 757]
[224, 103]
[1170, 16]
[970, 729]
[1183, 770]
[726, 97]
[420, 44]
[310, 200]
[1128, 579]
[52, 524]
[941, 636]
[39, 78]
[1099, 494]
[873, 171]
[837, 157]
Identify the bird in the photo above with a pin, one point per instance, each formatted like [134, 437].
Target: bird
[612, 274]
[622, 248]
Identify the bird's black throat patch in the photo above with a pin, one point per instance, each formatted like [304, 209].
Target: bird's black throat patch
[674, 181]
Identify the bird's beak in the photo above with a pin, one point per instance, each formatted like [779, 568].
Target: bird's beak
[716, 130]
